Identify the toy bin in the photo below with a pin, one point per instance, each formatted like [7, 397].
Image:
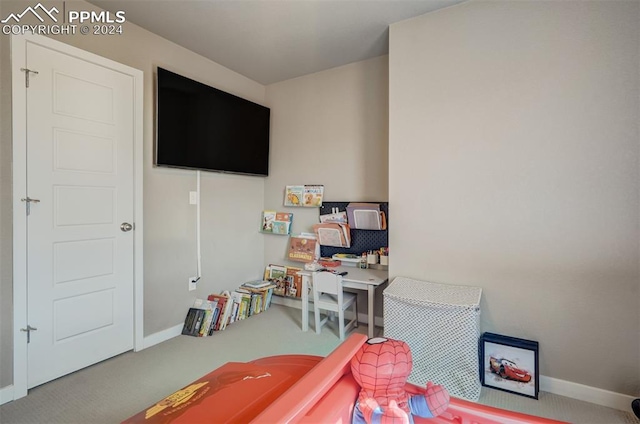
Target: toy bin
[441, 325]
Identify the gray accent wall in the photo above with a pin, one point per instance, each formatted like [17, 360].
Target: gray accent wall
[513, 166]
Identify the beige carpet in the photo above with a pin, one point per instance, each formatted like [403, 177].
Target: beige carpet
[113, 390]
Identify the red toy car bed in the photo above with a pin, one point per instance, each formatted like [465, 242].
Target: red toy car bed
[296, 389]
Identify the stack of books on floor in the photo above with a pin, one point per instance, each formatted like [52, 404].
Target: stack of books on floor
[286, 278]
[219, 310]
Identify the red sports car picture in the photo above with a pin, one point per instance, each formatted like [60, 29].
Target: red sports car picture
[508, 369]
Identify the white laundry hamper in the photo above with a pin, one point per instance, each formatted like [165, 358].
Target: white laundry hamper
[441, 325]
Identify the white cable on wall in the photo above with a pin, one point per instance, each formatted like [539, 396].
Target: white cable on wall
[199, 266]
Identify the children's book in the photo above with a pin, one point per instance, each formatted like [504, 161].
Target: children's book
[206, 322]
[280, 288]
[191, 326]
[208, 307]
[303, 249]
[214, 320]
[294, 282]
[193, 322]
[304, 195]
[274, 272]
[282, 223]
[313, 196]
[234, 312]
[243, 297]
[267, 221]
[222, 305]
[227, 310]
[293, 195]
[257, 284]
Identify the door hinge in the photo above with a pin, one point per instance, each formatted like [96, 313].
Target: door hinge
[28, 200]
[27, 71]
[28, 330]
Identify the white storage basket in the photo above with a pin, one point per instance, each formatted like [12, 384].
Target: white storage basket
[441, 325]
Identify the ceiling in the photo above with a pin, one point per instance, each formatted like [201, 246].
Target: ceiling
[275, 40]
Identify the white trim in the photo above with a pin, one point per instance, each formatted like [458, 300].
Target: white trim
[589, 394]
[19, 121]
[364, 317]
[547, 384]
[6, 395]
[295, 302]
[162, 336]
[555, 386]
[289, 302]
[19, 128]
[138, 232]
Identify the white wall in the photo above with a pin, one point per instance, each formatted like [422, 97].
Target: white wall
[512, 164]
[514, 167]
[328, 128]
[232, 249]
[6, 253]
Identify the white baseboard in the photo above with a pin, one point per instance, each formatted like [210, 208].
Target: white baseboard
[569, 389]
[547, 384]
[6, 394]
[297, 304]
[290, 302]
[586, 393]
[162, 336]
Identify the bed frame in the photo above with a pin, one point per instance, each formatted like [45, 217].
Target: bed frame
[297, 389]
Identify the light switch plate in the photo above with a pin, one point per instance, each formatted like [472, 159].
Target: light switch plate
[193, 197]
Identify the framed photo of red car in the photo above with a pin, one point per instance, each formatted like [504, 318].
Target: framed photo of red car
[509, 364]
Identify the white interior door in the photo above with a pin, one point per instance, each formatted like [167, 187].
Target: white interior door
[80, 177]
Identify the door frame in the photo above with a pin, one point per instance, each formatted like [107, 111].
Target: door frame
[19, 134]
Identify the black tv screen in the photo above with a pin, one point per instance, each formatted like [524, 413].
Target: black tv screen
[201, 127]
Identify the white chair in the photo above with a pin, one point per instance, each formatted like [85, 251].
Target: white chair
[328, 295]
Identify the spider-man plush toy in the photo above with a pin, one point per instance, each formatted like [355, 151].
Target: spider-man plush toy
[381, 368]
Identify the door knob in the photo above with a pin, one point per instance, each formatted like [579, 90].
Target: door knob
[125, 226]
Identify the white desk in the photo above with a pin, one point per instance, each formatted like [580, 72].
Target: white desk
[356, 278]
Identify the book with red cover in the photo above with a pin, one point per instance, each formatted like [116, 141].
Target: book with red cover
[303, 249]
[294, 282]
[222, 304]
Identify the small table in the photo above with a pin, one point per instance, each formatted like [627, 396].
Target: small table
[356, 278]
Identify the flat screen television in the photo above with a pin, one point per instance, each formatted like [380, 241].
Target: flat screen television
[201, 127]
